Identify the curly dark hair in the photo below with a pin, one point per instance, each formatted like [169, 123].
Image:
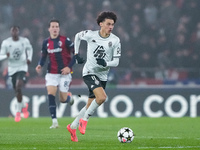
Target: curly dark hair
[106, 15]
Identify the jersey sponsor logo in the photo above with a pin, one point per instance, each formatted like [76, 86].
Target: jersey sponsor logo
[54, 50]
[17, 54]
[99, 52]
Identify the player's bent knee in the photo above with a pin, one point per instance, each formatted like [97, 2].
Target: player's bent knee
[62, 100]
[102, 99]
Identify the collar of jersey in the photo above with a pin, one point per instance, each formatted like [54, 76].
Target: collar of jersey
[103, 37]
[55, 38]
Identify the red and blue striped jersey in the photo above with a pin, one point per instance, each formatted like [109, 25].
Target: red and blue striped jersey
[59, 53]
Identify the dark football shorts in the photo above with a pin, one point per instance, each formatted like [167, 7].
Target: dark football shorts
[21, 75]
[93, 82]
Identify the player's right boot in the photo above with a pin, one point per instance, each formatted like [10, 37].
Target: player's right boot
[25, 111]
[71, 102]
[82, 126]
[54, 125]
[17, 117]
[73, 133]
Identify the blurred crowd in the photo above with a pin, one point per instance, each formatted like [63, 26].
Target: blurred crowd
[160, 38]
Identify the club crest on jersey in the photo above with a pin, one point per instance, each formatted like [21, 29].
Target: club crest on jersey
[110, 44]
[60, 43]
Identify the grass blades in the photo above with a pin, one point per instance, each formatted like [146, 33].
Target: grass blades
[101, 134]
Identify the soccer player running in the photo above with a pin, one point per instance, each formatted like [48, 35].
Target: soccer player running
[59, 49]
[103, 52]
[19, 54]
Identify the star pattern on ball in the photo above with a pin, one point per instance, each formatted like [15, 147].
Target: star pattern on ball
[127, 130]
[125, 135]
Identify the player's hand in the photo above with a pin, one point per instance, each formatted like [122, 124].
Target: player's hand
[28, 61]
[39, 69]
[101, 61]
[8, 54]
[79, 60]
[65, 71]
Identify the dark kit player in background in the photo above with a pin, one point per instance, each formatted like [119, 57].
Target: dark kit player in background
[59, 49]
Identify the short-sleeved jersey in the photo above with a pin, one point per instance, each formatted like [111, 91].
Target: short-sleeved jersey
[19, 51]
[99, 47]
[59, 51]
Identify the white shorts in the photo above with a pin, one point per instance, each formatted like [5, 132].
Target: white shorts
[62, 81]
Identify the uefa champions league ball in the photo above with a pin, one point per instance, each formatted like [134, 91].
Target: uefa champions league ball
[125, 135]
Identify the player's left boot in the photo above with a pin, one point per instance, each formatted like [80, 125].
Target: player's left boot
[82, 126]
[25, 111]
[73, 133]
[71, 102]
[17, 117]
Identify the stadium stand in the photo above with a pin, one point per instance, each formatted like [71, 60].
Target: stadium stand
[160, 38]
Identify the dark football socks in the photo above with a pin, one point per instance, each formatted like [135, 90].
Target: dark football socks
[52, 106]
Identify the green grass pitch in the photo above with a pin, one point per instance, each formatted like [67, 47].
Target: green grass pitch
[101, 134]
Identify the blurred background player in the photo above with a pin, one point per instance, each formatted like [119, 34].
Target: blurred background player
[58, 48]
[103, 52]
[19, 53]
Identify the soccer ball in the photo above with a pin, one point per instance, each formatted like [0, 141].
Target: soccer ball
[125, 135]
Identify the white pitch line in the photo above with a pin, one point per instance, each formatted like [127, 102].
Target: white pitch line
[179, 147]
[149, 137]
[53, 148]
[66, 148]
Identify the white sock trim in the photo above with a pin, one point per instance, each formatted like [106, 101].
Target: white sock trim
[75, 123]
